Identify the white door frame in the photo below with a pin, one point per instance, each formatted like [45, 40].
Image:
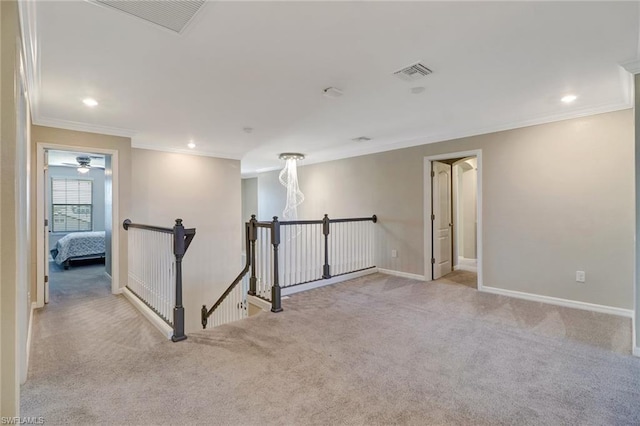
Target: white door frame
[40, 199]
[428, 251]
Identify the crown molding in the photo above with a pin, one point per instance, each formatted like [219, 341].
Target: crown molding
[127, 133]
[31, 53]
[458, 134]
[632, 66]
[83, 127]
[186, 151]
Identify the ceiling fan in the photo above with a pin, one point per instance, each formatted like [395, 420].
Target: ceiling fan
[84, 163]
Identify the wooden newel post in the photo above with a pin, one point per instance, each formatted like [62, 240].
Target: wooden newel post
[326, 272]
[252, 235]
[276, 298]
[178, 310]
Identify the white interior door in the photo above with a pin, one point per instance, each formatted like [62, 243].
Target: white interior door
[47, 193]
[441, 218]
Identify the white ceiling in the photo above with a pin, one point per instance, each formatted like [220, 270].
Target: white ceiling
[264, 65]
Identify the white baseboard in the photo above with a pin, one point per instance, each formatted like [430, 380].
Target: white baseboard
[465, 268]
[260, 303]
[464, 264]
[34, 306]
[401, 274]
[628, 313]
[636, 351]
[321, 283]
[158, 322]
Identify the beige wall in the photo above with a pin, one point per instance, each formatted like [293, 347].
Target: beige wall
[50, 135]
[557, 198]
[9, 306]
[468, 218]
[205, 193]
[272, 196]
[249, 203]
[249, 198]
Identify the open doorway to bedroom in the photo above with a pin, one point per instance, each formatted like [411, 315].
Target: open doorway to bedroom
[77, 254]
[77, 207]
[453, 218]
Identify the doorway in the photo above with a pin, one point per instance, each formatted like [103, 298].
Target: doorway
[77, 214]
[453, 215]
[76, 208]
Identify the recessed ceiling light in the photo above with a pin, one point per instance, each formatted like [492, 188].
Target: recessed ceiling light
[90, 102]
[567, 99]
[191, 145]
[247, 129]
[417, 90]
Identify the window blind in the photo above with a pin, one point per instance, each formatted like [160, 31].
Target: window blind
[71, 201]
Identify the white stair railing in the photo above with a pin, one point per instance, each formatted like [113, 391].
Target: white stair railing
[233, 308]
[155, 269]
[152, 270]
[351, 247]
[232, 304]
[263, 261]
[285, 254]
[319, 249]
[301, 253]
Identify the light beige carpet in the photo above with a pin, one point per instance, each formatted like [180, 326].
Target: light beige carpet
[376, 350]
[469, 279]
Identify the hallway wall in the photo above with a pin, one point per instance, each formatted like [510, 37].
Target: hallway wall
[557, 198]
[249, 203]
[467, 215]
[41, 134]
[14, 216]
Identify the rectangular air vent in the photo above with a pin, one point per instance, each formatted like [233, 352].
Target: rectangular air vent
[172, 15]
[412, 72]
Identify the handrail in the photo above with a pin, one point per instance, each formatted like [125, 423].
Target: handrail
[373, 219]
[182, 238]
[204, 313]
[302, 222]
[128, 224]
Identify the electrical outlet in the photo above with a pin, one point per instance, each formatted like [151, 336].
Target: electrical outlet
[394, 253]
[581, 276]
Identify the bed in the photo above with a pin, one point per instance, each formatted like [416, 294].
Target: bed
[78, 245]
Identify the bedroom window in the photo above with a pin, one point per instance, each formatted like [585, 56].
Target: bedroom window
[71, 205]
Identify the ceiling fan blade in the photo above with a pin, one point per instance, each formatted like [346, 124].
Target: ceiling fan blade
[70, 164]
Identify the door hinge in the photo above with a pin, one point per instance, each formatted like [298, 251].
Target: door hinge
[433, 261]
[433, 174]
[46, 222]
[46, 278]
[433, 217]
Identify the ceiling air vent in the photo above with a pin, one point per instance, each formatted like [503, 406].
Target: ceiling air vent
[172, 15]
[412, 72]
[361, 139]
